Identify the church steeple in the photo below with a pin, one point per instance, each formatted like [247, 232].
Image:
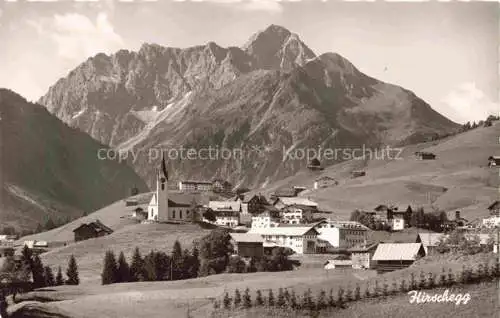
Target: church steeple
[164, 167]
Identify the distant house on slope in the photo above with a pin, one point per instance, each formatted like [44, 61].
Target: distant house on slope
[494, 208]
[357, 174]
[283, 202]
[493, 161]
[395, 256]
[430, 241]
[324, 182]
[91, 230]
[421, 155]
[195, 186]
[314, 165]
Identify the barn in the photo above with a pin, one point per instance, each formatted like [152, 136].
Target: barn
[394, 256]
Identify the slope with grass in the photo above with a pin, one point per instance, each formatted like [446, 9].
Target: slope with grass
[458, 179]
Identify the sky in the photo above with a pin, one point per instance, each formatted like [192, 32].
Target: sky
[446, 53]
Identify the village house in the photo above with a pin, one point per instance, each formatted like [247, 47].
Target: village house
[225, 205]
[361, 255]
[195, 186]
[297, 214]
[491, 222]
[338, 261]
[357, 174]
[248, 244]
[314, 165]
[283, 202]
[493, 161]
[395, 256]
[226, 217]
[256, 203]
[324, 182]
[425, 155]
[269, 218]
[301, 239]
[494, 208]
[91, 230]
[340, 234]
[430, 241]
[299, 189]
[284, 193]
[221, 186]
[140, 214]
[131, 202]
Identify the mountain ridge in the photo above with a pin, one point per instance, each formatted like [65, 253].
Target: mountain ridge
[268, 94]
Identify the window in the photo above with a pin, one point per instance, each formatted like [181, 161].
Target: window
[173, 214]
[180, 214]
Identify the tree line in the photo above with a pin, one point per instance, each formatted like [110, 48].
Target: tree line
[288, 299]
[211, 255]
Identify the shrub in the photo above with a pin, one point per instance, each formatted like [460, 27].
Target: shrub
[331, 299]
[340, 297]
[237, 298]
[321, 300]
[376, 290]
[226, 301]
[451, 278]
[413, 282]
[442, 278]
[422, 280]
[293, 300]
[281, 298]
[247, 300]
[385, 288]
[367, 291]
[270, 298]
[357, 292]
[258, 299]
[431, 280]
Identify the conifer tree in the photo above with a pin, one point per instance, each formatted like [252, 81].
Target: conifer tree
[431, 280]
[321, 300]
[280, 302]
[451, 278]
[259, 301]
[348, 293]
[402, 286]
[110, 269]
[376, 290]
[442, 278]
[385, 288]
[72, 272]
[37, 271]
[487, 273]
[479, 275]
[226, 301]
[340, 297]
[331, 299]
[59, 277]
[357, 292]
[394, 288]
[307, 300]
[286, 294]
[293, 300]
[413, 282]
[137, 266]
[367, 291]
[247, 300]
[422, 280]
[49, 276]
[270, 298]
[177, 261]
[237, 298]
[3, 304]
[216, 304]
[123, 270]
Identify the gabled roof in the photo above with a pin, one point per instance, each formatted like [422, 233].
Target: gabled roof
[324, 178]
[247, 237]
[283, 231]
[398, 251]
[224, 205]
[492, 206]
[431, 239]
[363, 249]
[96, 226]
[297, 200]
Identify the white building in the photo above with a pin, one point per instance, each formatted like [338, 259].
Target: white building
[161, 208]
[266, 219]
[398, 222]
[227, 218]
[491, 222]
[189, 185]
[226, 205]
[341, 234]
[302, 240]
[296, 214]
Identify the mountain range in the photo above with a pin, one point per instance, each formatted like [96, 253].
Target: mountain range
[49, 169]
[271, 96]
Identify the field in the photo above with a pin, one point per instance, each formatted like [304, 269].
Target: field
[458, 179]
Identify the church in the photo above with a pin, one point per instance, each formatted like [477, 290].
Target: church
[164, 207]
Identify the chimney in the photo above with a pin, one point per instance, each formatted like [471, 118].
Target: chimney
[457, 215]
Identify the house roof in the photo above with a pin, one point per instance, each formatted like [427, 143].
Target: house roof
[397, 251]
[430, 239]
[284, 231]
[492, 206]
[96, 225]
[362, 248]
[247, 237]
[297, 200]
[195, 182]
[353, 225]
[324, 178]
[224, 205]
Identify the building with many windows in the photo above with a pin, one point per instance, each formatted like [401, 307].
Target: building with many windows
[341, 234]
[301, 239]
